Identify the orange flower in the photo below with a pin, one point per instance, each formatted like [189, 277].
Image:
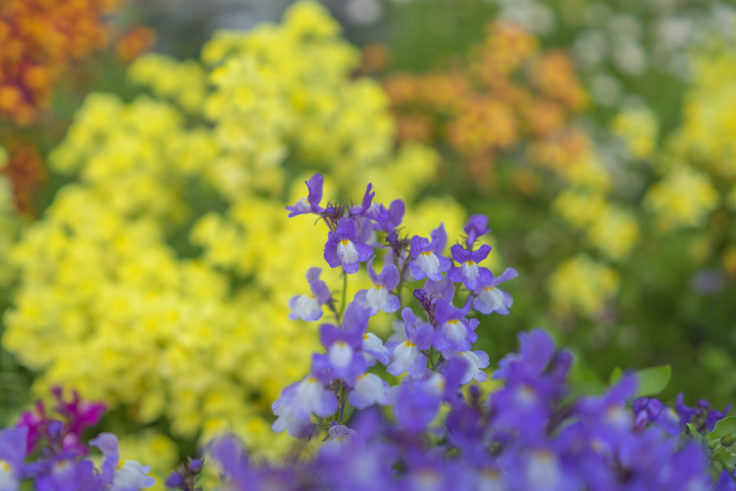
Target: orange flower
[26, 171]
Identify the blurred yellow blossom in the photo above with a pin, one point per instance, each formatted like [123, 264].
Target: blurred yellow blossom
[582, 285]
[683, 198]
[639, 129]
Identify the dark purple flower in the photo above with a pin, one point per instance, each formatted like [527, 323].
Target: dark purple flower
[343, 249]
[700, 416]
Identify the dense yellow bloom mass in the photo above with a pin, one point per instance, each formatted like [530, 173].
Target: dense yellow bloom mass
[582, 284]
[684, 197]
[639, 129]
[159, 279]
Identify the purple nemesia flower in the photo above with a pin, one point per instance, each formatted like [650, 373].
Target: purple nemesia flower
[343, 359]
[298, 402]
[700, 416]
[365, 206]
[477, 225]
[651, 411]
[69, 475]
[455, 333]
[427, 256]
[12, 456]
[417, 403]
[373, 349]
[387, 220]
[311, 204]
[129, 475]
[469, 273]
[407, 356]
[343, 249]
[490, 298]
[378, 297]
[309, 306]
[370, 389]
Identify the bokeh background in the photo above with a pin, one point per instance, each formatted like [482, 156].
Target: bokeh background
[145, 255]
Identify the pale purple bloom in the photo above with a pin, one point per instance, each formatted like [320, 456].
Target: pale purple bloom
[370, 389]
[407, 356]
[12, 456]
[490, 298]
[308, 306]
[298, 402]
[129, 475]
[378, 297]
[387, 220]
[373, 349]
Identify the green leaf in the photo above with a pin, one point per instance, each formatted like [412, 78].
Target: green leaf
[615, 375]
[726, 426]
[652, 380]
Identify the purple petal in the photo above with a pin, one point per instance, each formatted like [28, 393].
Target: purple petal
[439, 239]
[460, 254]
[314, 185]
[481, 253]
[389, 277]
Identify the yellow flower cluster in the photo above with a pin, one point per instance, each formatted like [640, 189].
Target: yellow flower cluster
[158, 281]
[639, 129]
[581, 284]
[683, 198]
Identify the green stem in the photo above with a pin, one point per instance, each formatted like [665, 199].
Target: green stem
[344, 293]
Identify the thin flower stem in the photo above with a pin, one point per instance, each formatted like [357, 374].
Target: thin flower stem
[344, 293]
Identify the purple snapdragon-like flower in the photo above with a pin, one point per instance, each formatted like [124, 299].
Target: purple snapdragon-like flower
[701, 416]
[308, 306]
[649, 411]
[378, 297]
[468, 272]
[387, 219]
[120, 475]
[298, 402]
[477, 226]
[407, 356]
[427, 258]
[455, 332]
[343, 359]
[310, 204]
[344, 249]
[12, 456]
[490, 298]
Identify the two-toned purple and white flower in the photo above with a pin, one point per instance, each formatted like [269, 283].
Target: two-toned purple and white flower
[343, 359]
[308, 306]
[489, 298]
[455, 332]
[407, 355]
[370, 389]
[427, 259]
[119, 475]
[343, 248]
[379, 298]
[12, 456]
[298, 402]
[310, 204]
[468, 272]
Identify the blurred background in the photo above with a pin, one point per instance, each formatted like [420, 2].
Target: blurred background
[145, 256]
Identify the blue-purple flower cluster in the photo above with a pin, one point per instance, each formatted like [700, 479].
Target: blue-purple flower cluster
[46, 450]
[395, 414]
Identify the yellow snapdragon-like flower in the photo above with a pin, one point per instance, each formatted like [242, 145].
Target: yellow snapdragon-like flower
[684, 198]
[158, 280]
[581, 285]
